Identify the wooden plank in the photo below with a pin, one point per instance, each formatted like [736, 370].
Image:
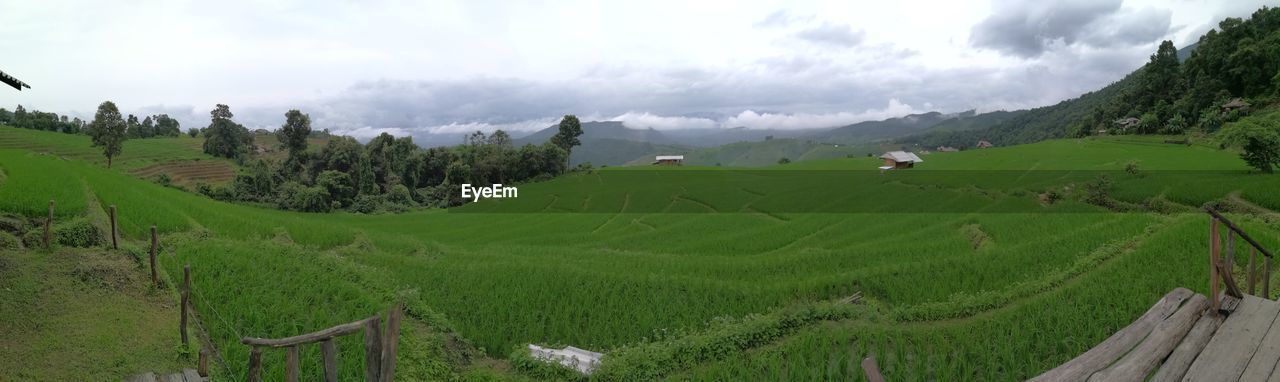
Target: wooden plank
[1253, 270]
[144, 377]
[1232, 226]
[1233, 290]
[1163, 339]
[1214, 247]
[390, 342]
[174, 377]
[1228, 352]
[1264, 359]
[1118, 344]
[202, 366]
[1266, 277]
[871, 370]
[291, 364]
[330, 356]
[190, 375]
[344, 329]
[372, 349]
[1180, 360]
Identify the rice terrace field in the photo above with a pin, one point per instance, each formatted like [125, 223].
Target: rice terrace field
[688, 273]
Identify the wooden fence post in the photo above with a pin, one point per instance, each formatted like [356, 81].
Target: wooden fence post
[48, 226]
[330, 356]
[202, 367]
[1253, 270]
[372, 348]
[1213, 264]
[255, 365]
[389, 343]
[291, 364]
[115, 236]
[1266, 277]
[155, 244]
[186, 300]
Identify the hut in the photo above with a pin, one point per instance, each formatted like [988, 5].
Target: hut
[1235, 104]
[984, 144]
[947, 149]
[899, 159]
[1124, 124]
[669, 160]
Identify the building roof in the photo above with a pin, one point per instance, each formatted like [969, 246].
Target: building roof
[1235, 103]
[984, 143]
[669, 157]
[14, 82]
[901, 156]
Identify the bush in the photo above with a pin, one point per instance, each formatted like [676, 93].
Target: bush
[13, 224]
[164, 180]
[1098, 191]
[33, 239]
[295, 196]
[1132, 168]
[8, 241]
[366, 204]
[78, 233]
[784, 160]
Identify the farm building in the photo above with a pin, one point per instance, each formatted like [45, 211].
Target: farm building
[984, 144]
[1127, 123]
[947, 149]
[669, 160]
[14, 82]
[899, 159]
[1235, 104]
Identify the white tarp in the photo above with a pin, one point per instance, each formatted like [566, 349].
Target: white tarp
[585, 361]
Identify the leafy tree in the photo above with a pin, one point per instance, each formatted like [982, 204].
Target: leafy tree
[294, 132]
[567, 137]
[1258, 139]
[339, 186]
[6, 117]
[1175, 125]
[193, 132]
[108, 130]
[224, 138]
[500, 138]
[132, 127]
[20, 117]
[784, 160]
[167, 126]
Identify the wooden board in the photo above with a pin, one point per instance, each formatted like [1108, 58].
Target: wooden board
[1180, 360]
[1230, 349]
[1263, 362]
[175, 377]
[1118, 344]
[144, 377]
[191, 375]
[1135, 366]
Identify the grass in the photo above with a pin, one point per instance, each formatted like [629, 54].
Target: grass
[82, 315]
[705, 273]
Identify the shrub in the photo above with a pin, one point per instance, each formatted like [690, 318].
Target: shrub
[8, 241]
[366, 204]
[164, 180]
[295, 196]
[78, 233]
[1132, 168]
[399, 194]
[1098, 191]
[13, 224]
[33, 239]
[784, 160]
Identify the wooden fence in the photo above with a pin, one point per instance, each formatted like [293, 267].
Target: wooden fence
[379, 349]
[1220, 267]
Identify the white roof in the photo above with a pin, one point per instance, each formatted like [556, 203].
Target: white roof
[670, 157]
[901, 156]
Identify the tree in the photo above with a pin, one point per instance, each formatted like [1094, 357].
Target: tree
[6, 117]
[20, 117]
[784, 160]
[567, 137]
[1258, 139]
[223, 137]
[167, 126]
[108, 130]
[132, 127]
[294, 132]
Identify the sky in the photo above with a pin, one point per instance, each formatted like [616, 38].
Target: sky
[451, 67]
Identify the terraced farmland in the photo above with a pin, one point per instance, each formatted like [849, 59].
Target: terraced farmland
[706, 274]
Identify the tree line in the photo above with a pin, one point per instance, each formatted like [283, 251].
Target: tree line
[386, 174]
[159, 125]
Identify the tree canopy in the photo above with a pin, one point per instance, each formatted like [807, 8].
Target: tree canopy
[108, 130]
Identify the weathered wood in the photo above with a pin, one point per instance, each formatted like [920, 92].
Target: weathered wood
[202, 367]
[186, 301]
[115, 234]
[144, 377]
[1266, 278]
[48, 228]
[1118, 344]
[1230, 265]
[1263, 361]
[174, 377]
[255, 365]
[1243, 235]
[1180, 360]
[1253, 270]
[318, 336]
[1214, 247]
[1233, 290]
[190, 375]
[1163, 339]
[1228, 352]
[372, 349]
[291, 364]
[390, 342]
[871, 370]
[330, 356]
[155, 280]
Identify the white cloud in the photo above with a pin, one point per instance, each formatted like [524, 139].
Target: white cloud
[640, 121]
[753, 120]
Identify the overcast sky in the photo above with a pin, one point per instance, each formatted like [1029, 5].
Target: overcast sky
[362, 67]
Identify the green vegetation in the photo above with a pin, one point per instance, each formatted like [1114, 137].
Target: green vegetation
[698, 272]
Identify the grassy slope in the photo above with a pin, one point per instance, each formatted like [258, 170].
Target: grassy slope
[82, 315]
[508, 279]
